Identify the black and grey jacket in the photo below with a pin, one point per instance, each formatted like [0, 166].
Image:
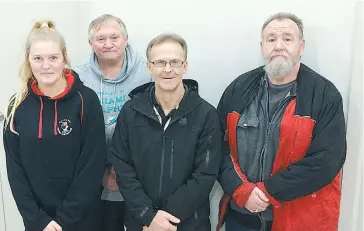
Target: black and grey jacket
[170, 168]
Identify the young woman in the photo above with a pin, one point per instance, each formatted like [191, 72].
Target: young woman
[54, 139]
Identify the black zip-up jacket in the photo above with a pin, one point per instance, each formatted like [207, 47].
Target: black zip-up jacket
[171, 170]
[56, 159]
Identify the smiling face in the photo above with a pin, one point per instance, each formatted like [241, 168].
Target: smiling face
[167, 65]
[281, 47]
[46, 62]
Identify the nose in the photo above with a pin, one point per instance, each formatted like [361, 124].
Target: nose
[108, 43]
[279, 45]
[45, 64]
[168, 68]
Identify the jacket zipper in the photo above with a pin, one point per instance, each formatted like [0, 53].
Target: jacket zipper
[162, 169]
[171, 161]
[268, 131]
[263, 225]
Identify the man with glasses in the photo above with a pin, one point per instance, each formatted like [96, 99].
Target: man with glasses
[285, 140]
[113, 69]
[167, 145]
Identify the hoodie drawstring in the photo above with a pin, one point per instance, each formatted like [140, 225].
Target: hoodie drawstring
[102, 90]
[79, 93]
[40, 125]
[114, 96]
[55, 118]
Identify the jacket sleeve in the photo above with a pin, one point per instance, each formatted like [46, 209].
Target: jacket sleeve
[33, 216]
[322, 162]
[191, 195]
[139, 204]
[232, 180]
[90, 168]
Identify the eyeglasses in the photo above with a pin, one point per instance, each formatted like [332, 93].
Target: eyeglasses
[172, 63]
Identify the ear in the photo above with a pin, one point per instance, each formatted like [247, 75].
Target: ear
[302, 47]
[149, 68]
[90, 42]
[261, 47]
[185, 67]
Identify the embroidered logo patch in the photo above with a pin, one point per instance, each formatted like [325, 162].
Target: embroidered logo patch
[64, 127]
[183, 121]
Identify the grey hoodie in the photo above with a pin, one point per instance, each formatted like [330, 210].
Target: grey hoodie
[113, 93]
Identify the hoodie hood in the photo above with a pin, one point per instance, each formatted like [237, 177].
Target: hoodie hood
[113, 92]
[131, 59]
[73, 86]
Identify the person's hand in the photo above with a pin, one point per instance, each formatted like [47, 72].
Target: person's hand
[162, 222]
[110, 180]
[53, 226]
[257, 201]
[146, 228]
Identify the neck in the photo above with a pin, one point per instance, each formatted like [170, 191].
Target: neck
[55, 89]
[289, 77]
[169, 99]
[111, 69]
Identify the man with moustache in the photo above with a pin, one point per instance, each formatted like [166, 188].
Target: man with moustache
[285, 141]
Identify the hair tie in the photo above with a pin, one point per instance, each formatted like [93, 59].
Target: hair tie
[44, 24]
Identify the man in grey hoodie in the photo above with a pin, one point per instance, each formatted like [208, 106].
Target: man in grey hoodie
[112, 71]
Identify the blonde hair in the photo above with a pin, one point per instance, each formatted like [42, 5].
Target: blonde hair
[162, 38]
[41, 31]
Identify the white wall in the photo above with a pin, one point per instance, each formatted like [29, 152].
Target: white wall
[352, 201]
[223, 39]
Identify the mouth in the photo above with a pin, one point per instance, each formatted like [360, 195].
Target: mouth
[167, 78]
[47, 73]
[276, 56]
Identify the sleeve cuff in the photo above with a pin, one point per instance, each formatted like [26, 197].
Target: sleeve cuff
[242, 193]
[43, 222]
[148, 217]
[61, 223]
[272, 201]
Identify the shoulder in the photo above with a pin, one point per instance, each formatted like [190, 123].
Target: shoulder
[243, 81]
[82, 70]
[89, 98]
[320, 84]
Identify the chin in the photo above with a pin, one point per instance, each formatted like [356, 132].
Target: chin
[167, 87]
[111, 57]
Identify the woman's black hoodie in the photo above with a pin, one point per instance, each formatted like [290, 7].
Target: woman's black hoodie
[57, 157]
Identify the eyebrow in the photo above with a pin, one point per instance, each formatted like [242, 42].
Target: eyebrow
[56, 54]
[284, 34]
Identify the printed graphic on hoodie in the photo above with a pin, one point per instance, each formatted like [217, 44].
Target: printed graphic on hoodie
[112, 103]
[64, 127]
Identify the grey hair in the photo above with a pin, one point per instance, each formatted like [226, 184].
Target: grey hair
[284, 15]
[97, 22]
[162, 38]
